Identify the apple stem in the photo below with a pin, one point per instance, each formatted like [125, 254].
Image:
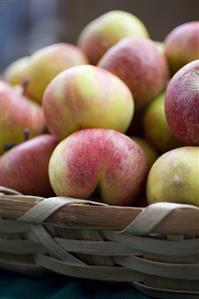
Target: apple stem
[26, 133]
[25, 86]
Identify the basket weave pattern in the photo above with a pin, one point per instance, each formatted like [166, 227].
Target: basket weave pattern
[142, 252]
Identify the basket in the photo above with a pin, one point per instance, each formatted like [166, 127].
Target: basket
[155, 248]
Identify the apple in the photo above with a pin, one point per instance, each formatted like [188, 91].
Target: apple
[174, 177]
[48, 62]
[107, 30]
[18, 113]
[156, 129]
[15, 73]
[182, 104]
[182, 45]
[148, 150]
[139, 63]
[87, 97]
[98, 158]
[160, 46]
[25, 167]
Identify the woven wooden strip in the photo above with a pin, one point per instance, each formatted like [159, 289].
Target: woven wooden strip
[103, 273]
[46, 207]
[101, 217]
[189, 247]
[26, 268]
[179, 271]
[54, 248]
[151, 216]
[164, 293]
[171, 283]
[8, 191]
[13, 227]
[103, 248]
[21, 247]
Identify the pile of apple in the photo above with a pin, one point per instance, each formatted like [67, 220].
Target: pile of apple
[123, 129]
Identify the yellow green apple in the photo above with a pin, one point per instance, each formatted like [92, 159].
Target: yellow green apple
[148, 150]
[15, 73]
[174, 177]
[16, 114]
[48, 62]
[107, 30]
[87, 97]
[156, 129]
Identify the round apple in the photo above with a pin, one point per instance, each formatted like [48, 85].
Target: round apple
[16, 114]
[141, 65]
[15, 73]
[148, 150]
[48, 62]
[87, 97]
[182, 45]
[98, 158]
[174, 177]
[25, 167]
[107, 30]
[182, 104]
[156, 129]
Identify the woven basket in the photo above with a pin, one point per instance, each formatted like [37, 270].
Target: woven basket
[155, 248]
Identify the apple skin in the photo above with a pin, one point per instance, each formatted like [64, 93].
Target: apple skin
[148, 150]
[107, 30]
[182, 45]
[87, 97]
[141, 65]
[48, 62]
[174, 177]
[182, 104]
[16, 114]
[156, 129]
[15, 72]
[98, 158]
[25, 167]
[160, 46]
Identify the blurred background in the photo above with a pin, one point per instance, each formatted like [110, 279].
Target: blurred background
[27, 25]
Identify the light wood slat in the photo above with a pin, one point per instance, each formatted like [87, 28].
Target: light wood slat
[109, 217]
[103, 248]
[156, 292]
[26, 268]
[104, 273]
[13, 227]
[169, 270]
[21, 247]
[188, 247]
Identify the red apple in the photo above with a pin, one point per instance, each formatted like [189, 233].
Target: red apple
[16, 114]
[182, 104]
[140, 64]
[25, 167]
[98, 158]
[182, 45]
